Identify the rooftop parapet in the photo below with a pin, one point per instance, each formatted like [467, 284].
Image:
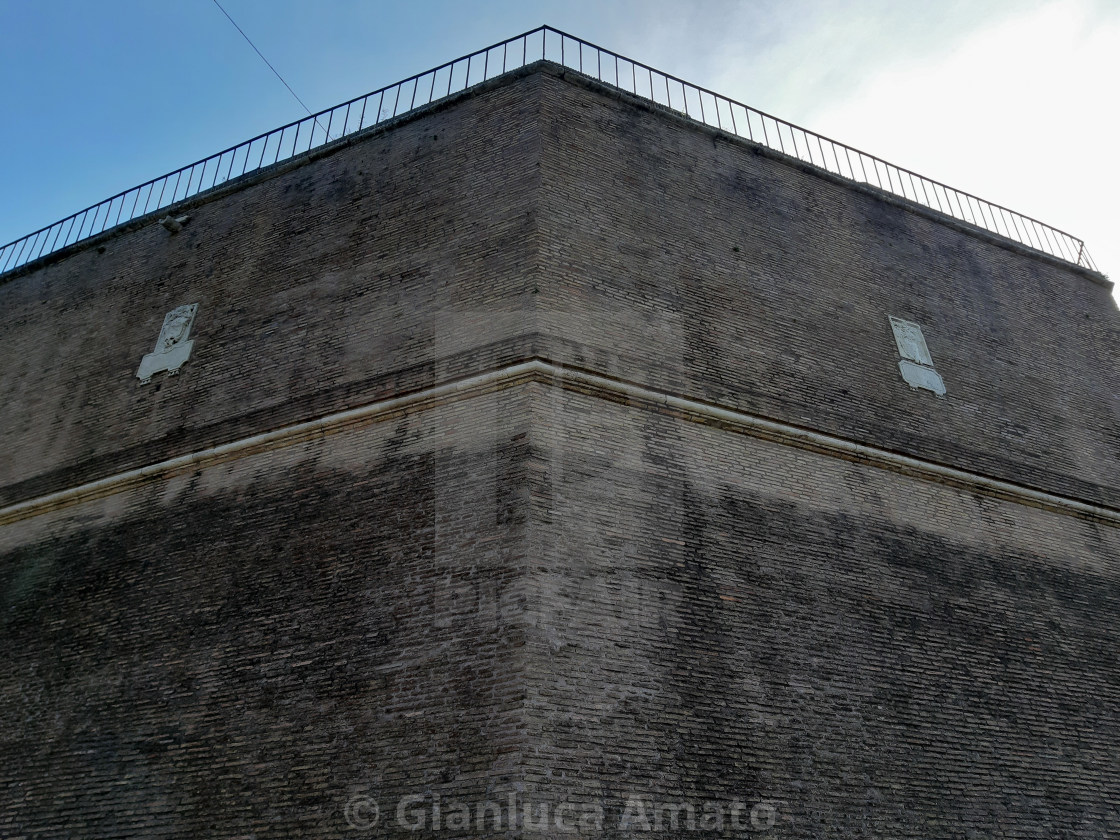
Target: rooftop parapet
[544, 43]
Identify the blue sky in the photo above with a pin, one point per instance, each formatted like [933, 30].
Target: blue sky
[1013, 101]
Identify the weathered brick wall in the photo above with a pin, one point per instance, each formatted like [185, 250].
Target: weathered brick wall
[323, 287]
[684, 259]
[720, 618]
[237, 651]
[542, 587]
[657, 251]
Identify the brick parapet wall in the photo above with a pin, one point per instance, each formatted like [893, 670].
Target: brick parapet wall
[326, 286]
[689, 260]
[653, 249]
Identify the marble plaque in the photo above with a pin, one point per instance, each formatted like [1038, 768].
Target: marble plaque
[916, 364]
[920, 376]
[173, 347]
[911, 343]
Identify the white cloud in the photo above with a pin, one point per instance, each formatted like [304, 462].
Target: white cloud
[1012, 100]
[1021, 112]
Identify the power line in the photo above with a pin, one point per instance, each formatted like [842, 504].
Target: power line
[270, 67]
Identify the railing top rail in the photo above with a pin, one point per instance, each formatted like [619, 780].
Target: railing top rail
[644, 81]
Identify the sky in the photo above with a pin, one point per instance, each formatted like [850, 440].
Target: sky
[1017, 101]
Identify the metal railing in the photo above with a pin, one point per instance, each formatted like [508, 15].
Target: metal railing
[696, 103]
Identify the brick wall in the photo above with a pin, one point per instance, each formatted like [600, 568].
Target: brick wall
[535, 586]
[679, 257]
[873, 655]
[323, 287]
[239, 651]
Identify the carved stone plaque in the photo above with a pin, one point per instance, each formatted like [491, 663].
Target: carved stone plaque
[916, 364]
[920, 376]
[173, 347]
[911, 343]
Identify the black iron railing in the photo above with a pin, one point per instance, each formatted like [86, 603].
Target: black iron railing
[694, 102]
